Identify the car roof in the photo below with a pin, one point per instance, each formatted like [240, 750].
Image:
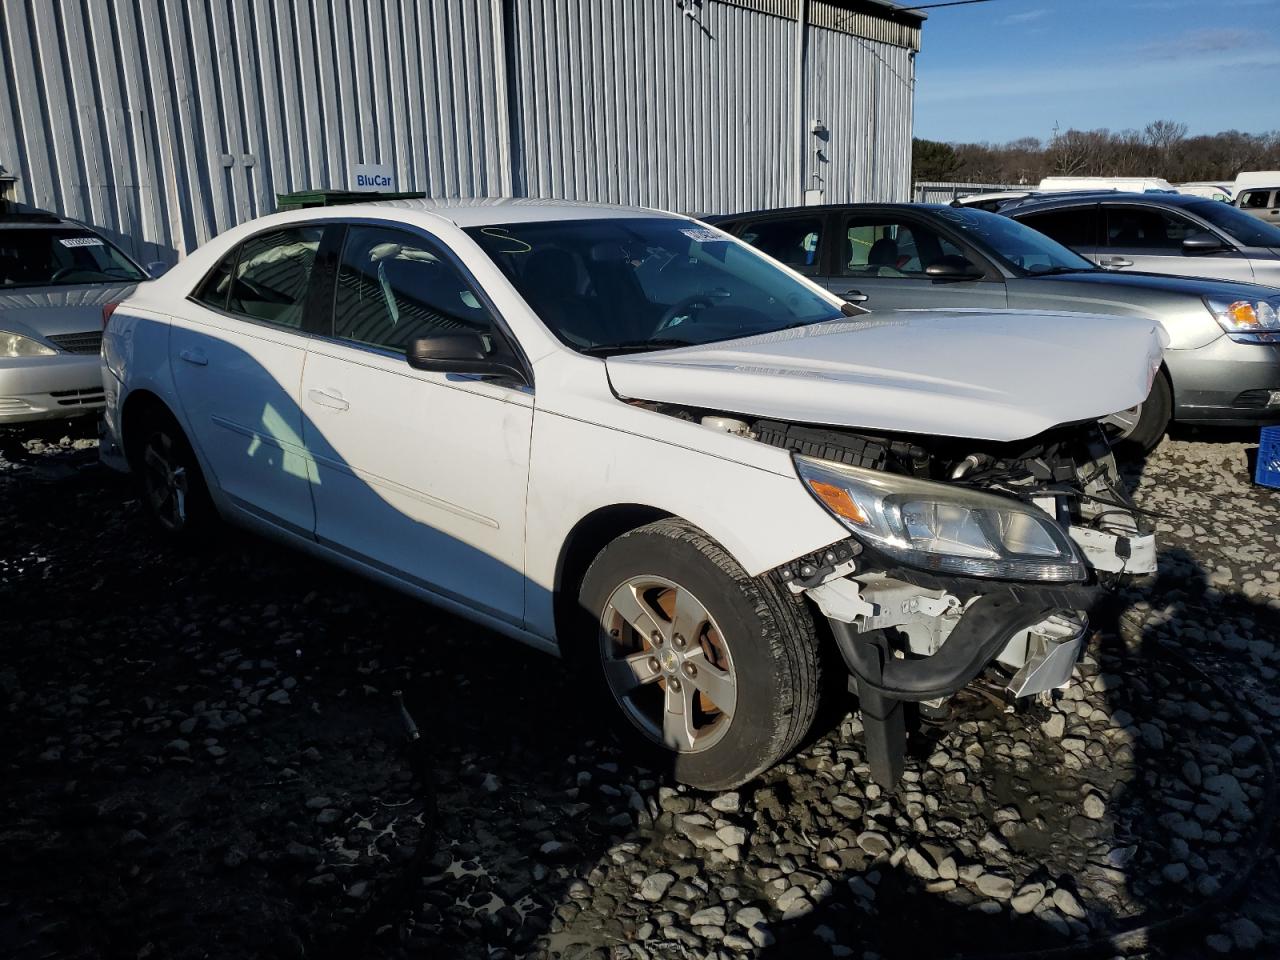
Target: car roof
[828, 207]
[488, 211]
[1109, 197]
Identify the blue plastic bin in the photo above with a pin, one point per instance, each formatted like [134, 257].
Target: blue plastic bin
[1268, 471]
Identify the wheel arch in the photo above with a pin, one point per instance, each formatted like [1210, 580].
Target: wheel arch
[586, 539]
[137, 405]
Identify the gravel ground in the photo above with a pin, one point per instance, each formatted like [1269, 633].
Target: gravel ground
[204, 758]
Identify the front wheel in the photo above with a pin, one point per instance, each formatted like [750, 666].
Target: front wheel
[714, 670]
[1140, 428]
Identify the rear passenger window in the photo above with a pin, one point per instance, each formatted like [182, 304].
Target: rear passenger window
[395, 286]
[792, 241]
[272, 274]
[1077, 227]
[213, 290]
[884, 248]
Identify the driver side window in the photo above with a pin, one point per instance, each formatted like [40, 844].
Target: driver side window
[395, 286]
[1146, 228]
[886, 248]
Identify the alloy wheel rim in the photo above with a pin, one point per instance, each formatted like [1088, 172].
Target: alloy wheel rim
[166, 481]
[1122, 423]
[667, 664]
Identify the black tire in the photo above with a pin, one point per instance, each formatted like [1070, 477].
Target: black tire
[181, 509]
[1154, 415]
[772, 653]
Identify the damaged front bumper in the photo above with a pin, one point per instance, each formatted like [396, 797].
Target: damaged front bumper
[911, 636]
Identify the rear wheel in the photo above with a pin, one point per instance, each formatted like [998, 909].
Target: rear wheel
[1140, 428]
[713, 670]
[173, 487]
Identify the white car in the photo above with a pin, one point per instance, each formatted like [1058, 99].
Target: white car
[624, 436]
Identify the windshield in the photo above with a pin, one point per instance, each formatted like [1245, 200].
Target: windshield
[61, 257]
[638, 283]
[1244, 229]
[1019, 246]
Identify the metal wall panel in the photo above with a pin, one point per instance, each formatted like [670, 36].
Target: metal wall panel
[165, 122]
[862, 91]
[635, 102]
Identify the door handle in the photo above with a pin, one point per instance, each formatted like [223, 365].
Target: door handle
[1115, 262]
[854, 296]
[328, 398]
[196, 357]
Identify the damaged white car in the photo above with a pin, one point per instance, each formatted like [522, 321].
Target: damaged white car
[626, 437]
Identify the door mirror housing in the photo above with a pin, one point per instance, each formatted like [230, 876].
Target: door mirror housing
[952, 269]
[469, 353]
[156, 269]
[1202, 243]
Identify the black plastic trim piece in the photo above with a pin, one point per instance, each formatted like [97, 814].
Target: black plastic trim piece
[986, 627]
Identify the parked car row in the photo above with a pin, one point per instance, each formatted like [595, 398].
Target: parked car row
[1223, 362]
[683, 456]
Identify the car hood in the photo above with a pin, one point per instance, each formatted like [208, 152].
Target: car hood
[979, 374]
[50, 311]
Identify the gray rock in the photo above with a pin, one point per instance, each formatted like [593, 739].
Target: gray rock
[726, 802]
[655, 886]
[1066, 901]
[1245, 933]
[874, 843]
[1027, 898]
[998, 888]
[1095, 808]
[708, 917]
[920, 865]
[749, 916]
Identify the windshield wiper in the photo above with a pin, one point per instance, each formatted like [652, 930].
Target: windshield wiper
[629, 346]
[1057, 271]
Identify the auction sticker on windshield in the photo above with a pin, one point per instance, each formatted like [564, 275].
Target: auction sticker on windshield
[703, 235]
[80, 241]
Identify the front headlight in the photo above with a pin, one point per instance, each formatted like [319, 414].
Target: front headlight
[15, 345]
[944, 528]
[1247, 321]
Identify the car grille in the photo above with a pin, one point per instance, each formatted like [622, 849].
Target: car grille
[78, 398]
[90, 342]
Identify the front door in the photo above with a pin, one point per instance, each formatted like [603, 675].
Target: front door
[884, 259]
[237, 359]
[420, 475]
[1149, 239]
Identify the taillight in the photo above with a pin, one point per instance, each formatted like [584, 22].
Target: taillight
[107, 311]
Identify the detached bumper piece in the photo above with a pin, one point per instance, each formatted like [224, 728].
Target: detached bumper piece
[1048, 618]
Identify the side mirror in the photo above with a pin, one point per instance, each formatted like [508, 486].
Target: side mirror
[157, 268]
[951, 270]
[471, 353]
[1202, 243]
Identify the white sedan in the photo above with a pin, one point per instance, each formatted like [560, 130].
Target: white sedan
[622, 436]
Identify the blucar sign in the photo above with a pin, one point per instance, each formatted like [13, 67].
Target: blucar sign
[373, 176]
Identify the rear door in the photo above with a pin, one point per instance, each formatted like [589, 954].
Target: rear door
[419, 475]
[1149, 239]
[883, 257]
[237, 354]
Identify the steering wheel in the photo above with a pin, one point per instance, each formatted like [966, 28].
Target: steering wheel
[678, 309]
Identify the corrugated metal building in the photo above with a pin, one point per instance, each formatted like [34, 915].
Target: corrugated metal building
[166, 121]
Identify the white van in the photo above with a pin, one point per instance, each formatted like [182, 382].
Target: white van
[1126, 184]
[1256, 178]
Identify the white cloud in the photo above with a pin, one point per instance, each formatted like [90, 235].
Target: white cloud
[1026, 16]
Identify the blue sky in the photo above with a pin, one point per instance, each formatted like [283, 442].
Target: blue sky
[1012, 68]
